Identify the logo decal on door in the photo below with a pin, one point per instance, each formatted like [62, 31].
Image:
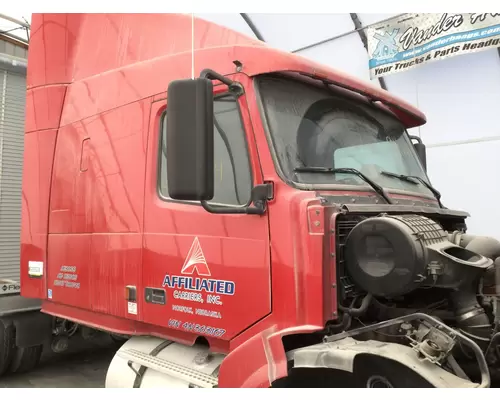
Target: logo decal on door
[196, 264]
[195, 260]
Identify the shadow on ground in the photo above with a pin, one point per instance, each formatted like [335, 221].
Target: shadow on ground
[84, 365]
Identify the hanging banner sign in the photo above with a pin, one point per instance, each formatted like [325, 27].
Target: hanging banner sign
[412, 40]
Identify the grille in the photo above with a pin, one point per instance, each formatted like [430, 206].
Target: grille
[344, 226]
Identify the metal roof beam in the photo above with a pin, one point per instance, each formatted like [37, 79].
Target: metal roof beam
[330, 39]
[252, 26]
[15, 21]
[362, 35]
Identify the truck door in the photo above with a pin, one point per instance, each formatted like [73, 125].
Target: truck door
[206, 273]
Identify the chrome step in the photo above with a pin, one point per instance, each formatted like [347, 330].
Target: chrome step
[197, 378]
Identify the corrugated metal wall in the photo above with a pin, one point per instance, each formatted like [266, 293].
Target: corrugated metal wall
[12, 101]
[12, 104]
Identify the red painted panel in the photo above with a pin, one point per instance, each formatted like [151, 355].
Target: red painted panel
[68, 275]
[117, 166]
[106, 62]
[44, 106]
[76, 46]
[253, 372]
[241, 263]
[115, 263]
[52, 39]
[71, 194]
[97, 190]
[37, 170]
[126, 326]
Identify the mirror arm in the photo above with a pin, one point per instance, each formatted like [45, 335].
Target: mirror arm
[412, 137]
[260, 196]
[420, 150]
[223, 209]
[234, 87]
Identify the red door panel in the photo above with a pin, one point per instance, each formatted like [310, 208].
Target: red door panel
[213, 270]
[208, 279]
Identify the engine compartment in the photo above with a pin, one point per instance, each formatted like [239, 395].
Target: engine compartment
[392, 266]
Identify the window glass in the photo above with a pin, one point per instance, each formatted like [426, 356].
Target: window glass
[232, 176]
[314, 127]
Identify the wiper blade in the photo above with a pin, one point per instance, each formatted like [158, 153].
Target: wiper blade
[314, 169]
[412, 178]
[405, 178]
[376, 187]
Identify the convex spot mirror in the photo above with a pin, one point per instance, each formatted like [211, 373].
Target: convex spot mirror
[190, 140]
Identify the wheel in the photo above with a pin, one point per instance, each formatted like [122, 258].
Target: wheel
[26, 358]
[378, 381]
[7, 345]
[378, 372]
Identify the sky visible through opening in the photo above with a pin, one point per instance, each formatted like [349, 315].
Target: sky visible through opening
[13, 28]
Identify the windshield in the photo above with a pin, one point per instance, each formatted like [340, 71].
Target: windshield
[313, 128]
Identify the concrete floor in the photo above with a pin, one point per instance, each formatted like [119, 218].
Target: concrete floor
[84, 365]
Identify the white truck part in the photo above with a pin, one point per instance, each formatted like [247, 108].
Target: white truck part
[148, 362]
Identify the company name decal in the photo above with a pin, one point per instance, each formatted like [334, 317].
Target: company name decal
[197, 284]
[406, 42]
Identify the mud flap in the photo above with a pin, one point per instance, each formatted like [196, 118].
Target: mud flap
[341, 355]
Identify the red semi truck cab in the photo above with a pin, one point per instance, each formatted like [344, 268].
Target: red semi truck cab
[209, 219]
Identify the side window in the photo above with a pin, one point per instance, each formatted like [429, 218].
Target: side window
[233, 179]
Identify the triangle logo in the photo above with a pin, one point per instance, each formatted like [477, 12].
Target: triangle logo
[195, 260]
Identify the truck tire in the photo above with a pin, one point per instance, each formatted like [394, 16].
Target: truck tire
[26, 358]
[7, 345]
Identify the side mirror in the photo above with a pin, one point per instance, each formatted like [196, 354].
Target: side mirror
[190, 139]
[420, 150]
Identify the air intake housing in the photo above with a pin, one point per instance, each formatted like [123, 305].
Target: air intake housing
[392, 255]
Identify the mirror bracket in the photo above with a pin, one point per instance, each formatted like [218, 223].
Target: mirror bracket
[420, 149]
[417, 138]
[261, 194]
[234, 87]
